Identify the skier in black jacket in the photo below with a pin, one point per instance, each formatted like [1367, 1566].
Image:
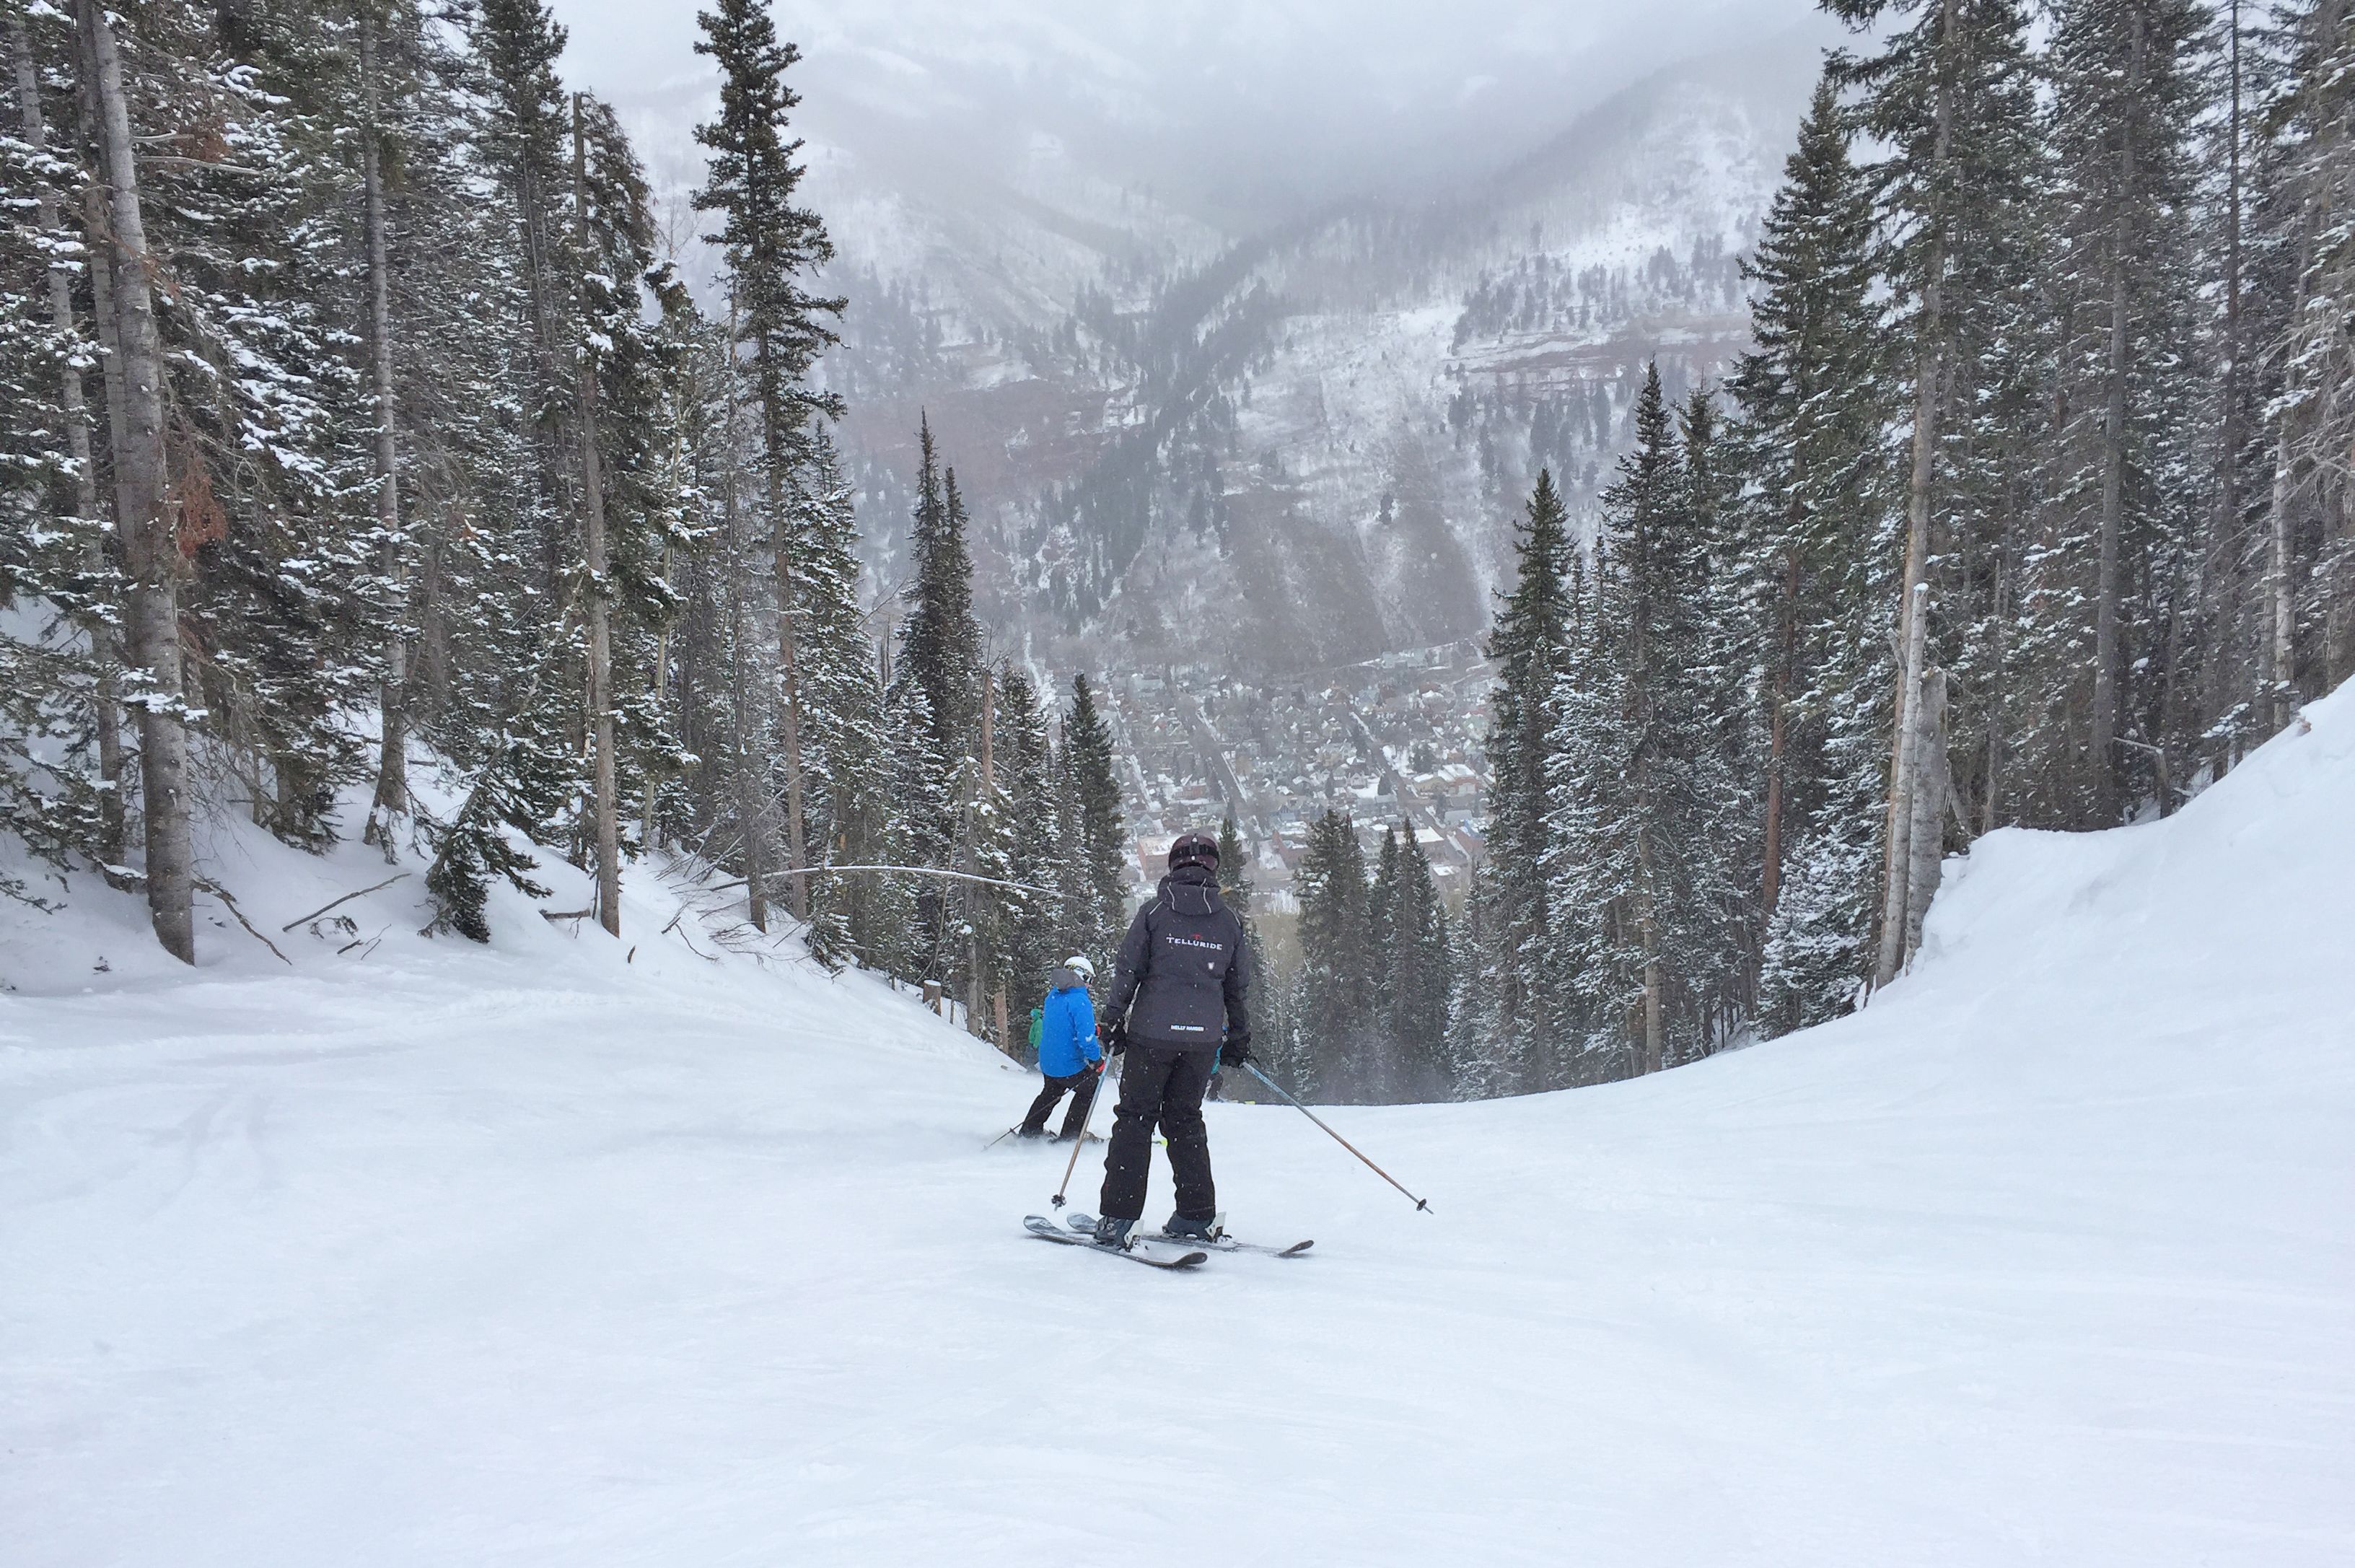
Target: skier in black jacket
[1178, 999]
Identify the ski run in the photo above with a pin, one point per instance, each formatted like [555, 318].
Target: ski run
[574, 1251]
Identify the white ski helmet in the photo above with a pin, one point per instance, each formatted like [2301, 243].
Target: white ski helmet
[1079, 965]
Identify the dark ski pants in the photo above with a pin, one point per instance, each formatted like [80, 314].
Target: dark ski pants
[1162, 1085]
[1079, 1086]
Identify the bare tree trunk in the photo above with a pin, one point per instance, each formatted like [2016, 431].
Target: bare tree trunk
[2106, 656]
[658, 687]
[2281, 647]
[1990, 809]
[540, 290]
[2338, 561]
[392, 755]
[1647, 926]
[2222, 587]
[779, 455]
[1933, 784]
[982, 782]
[592, 536]
[150, 555]
[1914, 618]
[749, 803]
[106, 706]
[1778, 731]
[1913, 604]
[2105, 577]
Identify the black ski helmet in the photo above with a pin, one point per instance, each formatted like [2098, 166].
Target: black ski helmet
[1194, 849]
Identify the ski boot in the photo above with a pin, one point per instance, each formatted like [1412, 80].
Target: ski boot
[1029, 1132]
[1111, 1232]
[1180, 1227]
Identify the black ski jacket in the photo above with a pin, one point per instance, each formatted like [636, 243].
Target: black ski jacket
[1184, 966]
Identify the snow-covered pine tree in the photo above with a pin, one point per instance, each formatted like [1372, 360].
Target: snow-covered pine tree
[1420, 964]
[2106, 600]
[58, 701]
[152, 553]
[1335, 1010]
[525, 139]
[1026, 772]
[847, 748]
[1526, 646]
[1093, 844]
[939, 657]
[1812, 399]
[1382, 1067]
[1637, 778]
[1949, 95]
[2303, 576]
[1726, 681]
[657, 513]
[920, 803]
[772, 247]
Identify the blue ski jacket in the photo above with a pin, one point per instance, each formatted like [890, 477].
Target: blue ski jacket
[1067, 1034]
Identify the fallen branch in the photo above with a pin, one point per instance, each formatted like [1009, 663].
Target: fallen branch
[551, 916]
[691, 948]
[348, 898]
[230, 904]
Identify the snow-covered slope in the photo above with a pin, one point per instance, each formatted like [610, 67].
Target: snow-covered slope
[534, 1255]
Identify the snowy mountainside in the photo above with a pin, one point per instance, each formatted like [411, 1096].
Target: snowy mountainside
[573, 1252]
[1324, 428]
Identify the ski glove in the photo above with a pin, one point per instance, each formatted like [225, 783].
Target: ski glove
[1115, 1039]
[1235, 1051]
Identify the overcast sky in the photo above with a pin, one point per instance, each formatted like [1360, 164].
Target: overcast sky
[1343, 92]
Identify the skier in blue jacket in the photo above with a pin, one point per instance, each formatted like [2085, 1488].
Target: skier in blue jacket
[1068, 1053]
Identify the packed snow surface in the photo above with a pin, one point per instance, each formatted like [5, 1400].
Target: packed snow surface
[536, 1255]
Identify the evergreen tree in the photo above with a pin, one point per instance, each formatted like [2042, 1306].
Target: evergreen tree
[58, 680]
[1336, 1001]
[852, 814]
[1093, 840]
[1380, 1070]
[1527, 647]
[2111, 574]
[1638, 780]
[1950, 95]
[1812, 398]
[1420, 964]
[940, 641]
[941, 658]
[772, 246]
[1026, 769]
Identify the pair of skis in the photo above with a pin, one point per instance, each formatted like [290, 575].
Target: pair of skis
[1147, 1250]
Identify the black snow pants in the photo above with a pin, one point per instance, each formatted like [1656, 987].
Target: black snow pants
[1079, 1086]
[1162, 1085]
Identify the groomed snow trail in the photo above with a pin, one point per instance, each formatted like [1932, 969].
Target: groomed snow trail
[533, 1255]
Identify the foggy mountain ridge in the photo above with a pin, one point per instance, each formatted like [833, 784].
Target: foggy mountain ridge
[1322, 431]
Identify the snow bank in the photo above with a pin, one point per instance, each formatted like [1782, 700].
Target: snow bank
[544, 1254]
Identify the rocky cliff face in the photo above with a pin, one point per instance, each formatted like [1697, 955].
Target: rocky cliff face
[1278, 450]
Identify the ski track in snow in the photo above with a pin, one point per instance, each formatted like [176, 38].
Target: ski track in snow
[530, 1255]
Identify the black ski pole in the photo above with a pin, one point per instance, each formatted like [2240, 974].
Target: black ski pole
[1087, 1121]
[1252, 1068]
